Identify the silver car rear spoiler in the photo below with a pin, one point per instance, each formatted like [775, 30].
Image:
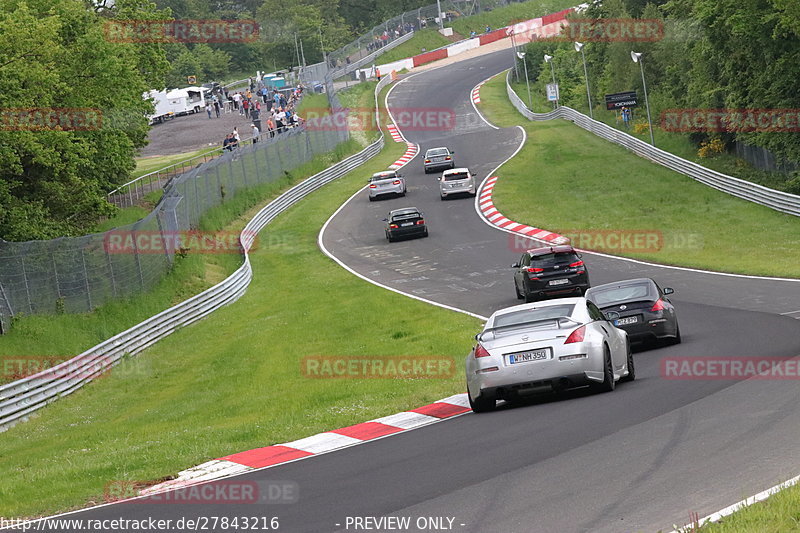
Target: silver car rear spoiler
[561, 322]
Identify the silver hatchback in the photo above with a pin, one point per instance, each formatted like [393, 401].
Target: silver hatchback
[386, 182]
[457, 181]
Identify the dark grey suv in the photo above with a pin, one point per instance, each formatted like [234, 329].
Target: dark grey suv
[550, 271]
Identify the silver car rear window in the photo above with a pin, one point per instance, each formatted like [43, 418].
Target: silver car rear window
[617, 294]
[531, 315]
[439, 151]
[456, 176]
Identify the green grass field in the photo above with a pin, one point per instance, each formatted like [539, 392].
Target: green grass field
[233, 381]
[581, 182]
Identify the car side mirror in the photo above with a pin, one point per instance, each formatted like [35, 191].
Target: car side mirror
[611, 316]
[515, 265]
[385, 220]
[668, 290]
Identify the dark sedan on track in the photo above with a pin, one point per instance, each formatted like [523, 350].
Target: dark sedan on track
[406, 222]
[438, 159]
[645, 311]
[550, 271]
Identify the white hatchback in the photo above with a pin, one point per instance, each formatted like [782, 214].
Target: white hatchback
[457, 181]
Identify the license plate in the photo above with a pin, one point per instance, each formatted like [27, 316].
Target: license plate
[559, 282]
[626, 320]
[526, 357]
[437, 159]
[407, 224]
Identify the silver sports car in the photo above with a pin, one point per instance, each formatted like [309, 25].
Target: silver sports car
[545, 347]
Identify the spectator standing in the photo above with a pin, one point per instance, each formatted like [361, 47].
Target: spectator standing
[256, 133]
[208, 110]
[236, 98]
[226, 144]
[246, 107]
[216, 108]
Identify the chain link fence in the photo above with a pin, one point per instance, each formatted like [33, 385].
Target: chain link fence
[77, 274]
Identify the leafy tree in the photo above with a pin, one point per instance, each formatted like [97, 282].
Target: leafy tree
[55, 56]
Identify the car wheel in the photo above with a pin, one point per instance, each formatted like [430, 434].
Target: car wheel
[608, 383]
[631, 368]
[677, 338]
[481, 404]
[441, 197]
[529, 298]
[578, 291]
[426, 233]
[519, 294]
[389, 238]
[371, 199]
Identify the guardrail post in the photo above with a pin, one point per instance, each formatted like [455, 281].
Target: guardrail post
[55, 276]
[27, 287]
[244, 169]
[111, 272]
[86, 279]
[138, 261]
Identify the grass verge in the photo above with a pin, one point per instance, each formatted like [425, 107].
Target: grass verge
[582, 183]
[777, 514]
[234, 381]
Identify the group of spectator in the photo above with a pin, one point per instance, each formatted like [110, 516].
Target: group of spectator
[279, 108]
[388, 35]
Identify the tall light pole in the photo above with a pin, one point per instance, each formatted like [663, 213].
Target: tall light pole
[549, 59]
[514, 49]
[521, 55]
[579, 48]
[322, 47]
[637, 58]
[439, 14]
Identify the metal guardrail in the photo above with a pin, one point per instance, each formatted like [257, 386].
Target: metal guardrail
[22, 397]
[752, 192]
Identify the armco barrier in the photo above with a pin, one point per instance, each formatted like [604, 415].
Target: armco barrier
[22, 397]
[752, 192]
